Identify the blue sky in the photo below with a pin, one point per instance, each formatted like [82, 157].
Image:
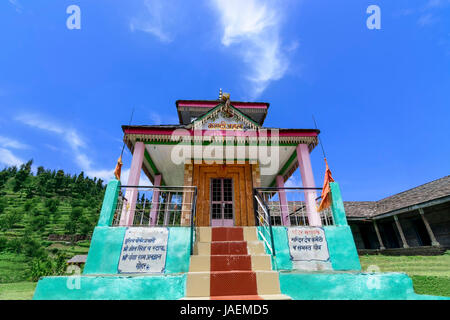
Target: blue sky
[380, 97]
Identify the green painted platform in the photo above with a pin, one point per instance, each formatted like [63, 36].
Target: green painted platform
[112, 287]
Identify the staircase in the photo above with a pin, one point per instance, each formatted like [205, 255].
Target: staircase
[229, 263]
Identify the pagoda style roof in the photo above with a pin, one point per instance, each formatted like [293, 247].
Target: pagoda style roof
[191, 109]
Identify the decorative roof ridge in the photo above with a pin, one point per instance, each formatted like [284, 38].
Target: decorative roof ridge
[236, 102]
[220, 107]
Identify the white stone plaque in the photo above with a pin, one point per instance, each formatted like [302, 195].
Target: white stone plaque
[308, 248]
[144, 250]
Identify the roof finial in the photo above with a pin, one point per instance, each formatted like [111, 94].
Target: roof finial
[220, 94]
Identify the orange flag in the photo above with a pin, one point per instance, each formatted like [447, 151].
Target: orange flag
[326, 191]
[118, 168]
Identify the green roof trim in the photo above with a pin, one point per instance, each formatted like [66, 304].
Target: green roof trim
[285, 167]
[269, 143]
[153, 167]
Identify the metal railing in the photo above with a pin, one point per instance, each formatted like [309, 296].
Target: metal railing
[154, 206]
[263, 219]
[294, 203]
[193, 216]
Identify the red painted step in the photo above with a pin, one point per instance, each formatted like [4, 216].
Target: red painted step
[227, 234]
[229, 247]
[233, 283]
[231, 263]
[241, 297]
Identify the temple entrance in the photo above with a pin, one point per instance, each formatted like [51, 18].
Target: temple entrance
[224, 195]
[222, 205]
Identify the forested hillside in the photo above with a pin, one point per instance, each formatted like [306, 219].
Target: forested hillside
[45, 218]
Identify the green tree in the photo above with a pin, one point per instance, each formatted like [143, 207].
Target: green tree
[8, 220]
[22, 175]
[3, 204]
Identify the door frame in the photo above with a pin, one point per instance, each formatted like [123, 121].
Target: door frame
[222, 202]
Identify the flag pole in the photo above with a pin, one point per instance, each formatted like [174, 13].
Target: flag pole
[118, 169]
[129, 123]
[320, 140]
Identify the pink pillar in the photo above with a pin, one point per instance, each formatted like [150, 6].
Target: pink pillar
[304, 163]
[155, 201]
[127, 217]
[283, 202]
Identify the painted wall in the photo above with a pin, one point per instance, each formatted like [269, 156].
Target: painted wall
[349, 286]
[343, 253]
[168, 287]
[106, 245]
[342, 249]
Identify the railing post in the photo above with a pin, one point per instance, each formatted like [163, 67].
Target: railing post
[285, 219]
[109, 204]
[337, 205]
[155, 201]
[131, 194]
[193, 211]
[270, 229]
[255, 208]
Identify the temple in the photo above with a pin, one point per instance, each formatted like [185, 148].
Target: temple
[218, 221]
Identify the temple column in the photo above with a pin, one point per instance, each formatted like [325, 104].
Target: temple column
[400, 230]
[375, 225]
[155, 201]
[304, 163]
[127, 216]
[434, 242]
[283, 202]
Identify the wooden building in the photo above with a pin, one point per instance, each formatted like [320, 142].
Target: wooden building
[416, 221]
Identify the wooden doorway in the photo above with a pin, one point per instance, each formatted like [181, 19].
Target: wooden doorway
[242, 190]
[221, 204]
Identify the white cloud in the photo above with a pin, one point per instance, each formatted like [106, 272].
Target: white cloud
[11, 143]
[8, 158]
[143, 180]
[17, 5]
[253, 28]
[105, 175]
[158, 19]
[73, 140]
[426, 19]
[158, 119]
[293, 182]
[71, 136]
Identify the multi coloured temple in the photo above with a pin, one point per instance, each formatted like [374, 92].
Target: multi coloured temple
[218, 221]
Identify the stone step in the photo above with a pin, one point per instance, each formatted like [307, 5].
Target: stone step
[229, 247]
[253, 247]
[229, 262]
[232, 283]
[208, 234]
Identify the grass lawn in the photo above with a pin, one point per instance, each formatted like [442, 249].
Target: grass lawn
[13, 268]
[17, 290]
[430, 274]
